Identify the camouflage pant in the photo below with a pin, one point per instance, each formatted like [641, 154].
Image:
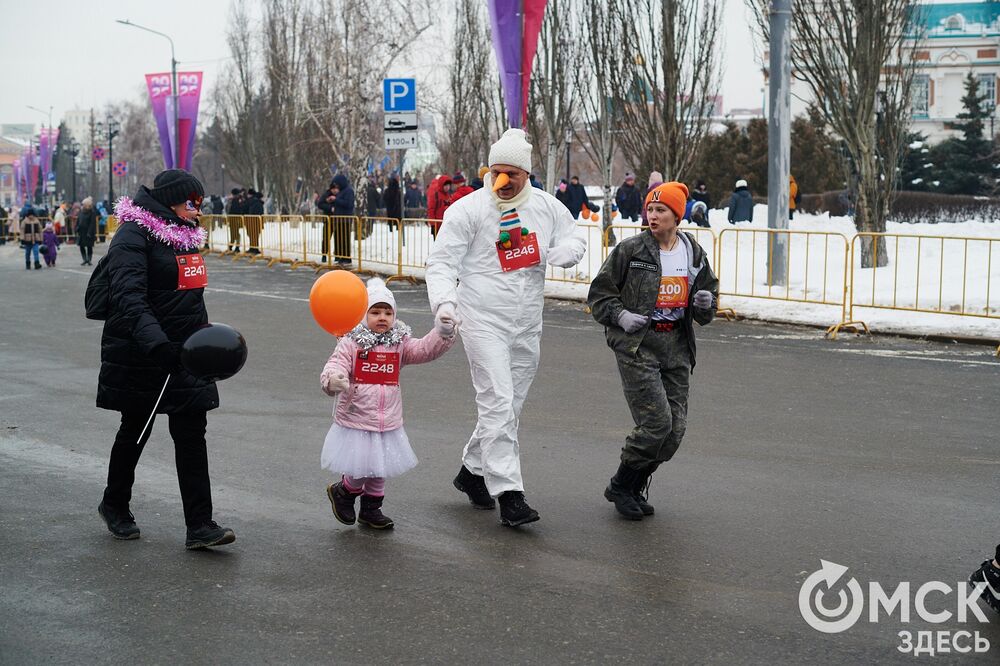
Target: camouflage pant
[656, 382]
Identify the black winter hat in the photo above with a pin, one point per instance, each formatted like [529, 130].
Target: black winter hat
[175, 186]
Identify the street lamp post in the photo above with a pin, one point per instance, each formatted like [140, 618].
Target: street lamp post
[74, 150]
[111, 126]
[173, 88]
[569, 140]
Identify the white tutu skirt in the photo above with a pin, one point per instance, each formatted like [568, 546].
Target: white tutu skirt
[364, 453]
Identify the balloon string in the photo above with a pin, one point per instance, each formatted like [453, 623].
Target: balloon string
[153, 413]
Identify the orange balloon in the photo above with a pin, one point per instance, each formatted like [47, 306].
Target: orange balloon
[338, 300]
[594, 217]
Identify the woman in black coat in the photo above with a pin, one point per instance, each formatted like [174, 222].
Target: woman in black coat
[157, 280]
[392, 201]
[86, 230]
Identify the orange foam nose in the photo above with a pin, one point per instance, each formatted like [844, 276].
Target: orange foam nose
[501, 181]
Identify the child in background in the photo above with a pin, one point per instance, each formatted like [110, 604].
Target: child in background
[51, 243]
[366, 443]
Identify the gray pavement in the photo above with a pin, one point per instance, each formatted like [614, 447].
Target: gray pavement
[878, 454]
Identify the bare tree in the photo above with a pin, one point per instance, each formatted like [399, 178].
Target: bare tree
[856, 58]
[671, 81]
[471, 114]
[553, 90]
[237, 99]
[599, 80]
[354, 45]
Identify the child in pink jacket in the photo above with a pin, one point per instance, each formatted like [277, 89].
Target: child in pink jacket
[366, 443]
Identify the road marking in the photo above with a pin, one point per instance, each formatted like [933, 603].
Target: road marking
[911, 356]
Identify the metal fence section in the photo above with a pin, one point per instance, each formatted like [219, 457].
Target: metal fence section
[744, 271]
[927, 274]
[585, 271]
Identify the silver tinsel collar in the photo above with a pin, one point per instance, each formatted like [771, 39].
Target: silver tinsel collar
[367, 338]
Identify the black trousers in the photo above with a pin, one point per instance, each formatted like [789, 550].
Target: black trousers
[191, 455]
[87, 250]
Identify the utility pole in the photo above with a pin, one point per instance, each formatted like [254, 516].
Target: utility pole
[111, 126]
[779, 140]
[74, 150]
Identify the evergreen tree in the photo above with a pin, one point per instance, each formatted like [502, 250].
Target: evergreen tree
[966, 163]
[916, 170]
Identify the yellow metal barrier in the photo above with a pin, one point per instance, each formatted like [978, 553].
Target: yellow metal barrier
[586, 270]
[927, 274]
[744, 272]
[382, 248]
[416, 241]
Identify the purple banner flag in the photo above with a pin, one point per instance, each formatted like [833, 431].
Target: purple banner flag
[159, 92]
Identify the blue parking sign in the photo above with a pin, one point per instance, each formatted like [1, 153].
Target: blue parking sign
[399, 95]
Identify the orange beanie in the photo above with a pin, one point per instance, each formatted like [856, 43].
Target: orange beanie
[673, 195]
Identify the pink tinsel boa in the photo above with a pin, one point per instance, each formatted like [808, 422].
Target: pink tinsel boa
[177, 236]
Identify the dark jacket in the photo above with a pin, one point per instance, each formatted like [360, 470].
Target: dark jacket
[344, 203]
[255, 206]
[701, 196]
[576, 196]
[372, 199]
[414, 199]
[741, 205]
[147, 310]
[86, 226]
[237, 206]
[391, 200]
[217, 206]
[629, 201]
[630, 280]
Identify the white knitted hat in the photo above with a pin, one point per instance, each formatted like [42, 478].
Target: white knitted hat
[513, 149]
[741, 183]
[379, 293]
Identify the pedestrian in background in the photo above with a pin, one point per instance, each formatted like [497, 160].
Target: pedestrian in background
[655, 180]
[628, 199]
[31, 236]
[740, 203]
[50, 245]
[86, 231]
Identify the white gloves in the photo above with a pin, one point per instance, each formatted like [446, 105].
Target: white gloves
[562, 256]
[702, 300]
[446, 320]
[335, 383]
[631, 322]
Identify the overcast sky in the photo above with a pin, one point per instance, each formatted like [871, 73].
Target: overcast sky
[71, 53]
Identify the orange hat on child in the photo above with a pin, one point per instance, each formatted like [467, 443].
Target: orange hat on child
[673, 195]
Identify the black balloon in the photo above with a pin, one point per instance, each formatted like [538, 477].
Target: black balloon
[214, 352]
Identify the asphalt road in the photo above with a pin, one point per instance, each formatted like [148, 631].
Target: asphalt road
[878, 454]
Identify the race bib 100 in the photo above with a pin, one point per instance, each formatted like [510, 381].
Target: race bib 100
[673, 292]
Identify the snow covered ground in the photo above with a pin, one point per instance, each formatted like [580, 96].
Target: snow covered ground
[943, 277]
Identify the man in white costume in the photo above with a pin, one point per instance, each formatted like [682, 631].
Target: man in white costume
[487, 272]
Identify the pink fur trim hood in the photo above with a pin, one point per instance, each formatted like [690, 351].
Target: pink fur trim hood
[179, 237]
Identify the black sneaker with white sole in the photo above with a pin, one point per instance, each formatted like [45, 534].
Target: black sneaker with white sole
[990, 575]
[207, 535]
[514, 510]
[121, 524]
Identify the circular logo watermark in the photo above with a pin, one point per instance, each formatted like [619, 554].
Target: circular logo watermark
[844, 614]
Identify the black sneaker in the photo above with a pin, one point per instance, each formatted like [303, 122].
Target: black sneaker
[990, 575]
[514, 510]
[120, 524]
[474, 486]
[207, 535]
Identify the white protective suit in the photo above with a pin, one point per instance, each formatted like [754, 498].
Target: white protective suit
[501, 316]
